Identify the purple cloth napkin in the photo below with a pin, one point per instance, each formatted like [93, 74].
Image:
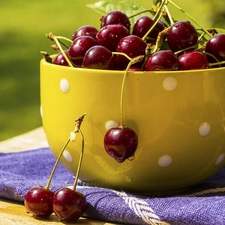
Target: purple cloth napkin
[203, 205]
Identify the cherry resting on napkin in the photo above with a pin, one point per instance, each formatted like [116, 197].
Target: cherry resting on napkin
[68, 204]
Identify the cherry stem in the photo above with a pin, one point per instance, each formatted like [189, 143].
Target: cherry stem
[144, 11]
[155, 19]
[201, 36]
[169, 15]
[152, 27]
[121, 53]
[185, 49]
[64, 38]
[190, 17]
[80, 161]
[159, 10]
[56, 164]
[211, 55]
[51, 36]
[216, 63]
[160, 40]
[78, 122]
[132, 61]
[64, 54]
[54, 38]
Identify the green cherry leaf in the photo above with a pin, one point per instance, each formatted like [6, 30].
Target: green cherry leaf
[129, 7]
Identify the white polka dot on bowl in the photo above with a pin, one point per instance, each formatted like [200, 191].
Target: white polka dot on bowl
[220, 159]
[165, 161]
[64, 85]
[204, 129]
[170, 83]
[110, 124]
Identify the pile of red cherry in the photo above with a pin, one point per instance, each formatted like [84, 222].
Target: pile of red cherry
[165, 46]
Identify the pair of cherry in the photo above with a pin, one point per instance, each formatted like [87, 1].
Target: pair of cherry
[67, 203]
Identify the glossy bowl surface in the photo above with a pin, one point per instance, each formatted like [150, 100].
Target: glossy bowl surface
[179, 117]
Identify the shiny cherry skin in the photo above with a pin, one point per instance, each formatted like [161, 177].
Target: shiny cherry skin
[69, 205]
[97, 57]
[86, 30]
[143, 24]
[120, 143]
[79, 47]
[216, 47]
[182, 35]
[60, 59]
[162, 60]
[115, 17]
[132, 46]
[110, 35]
[192, 60]
[38, 202]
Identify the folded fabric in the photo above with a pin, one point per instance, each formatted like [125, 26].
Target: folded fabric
[203, 205]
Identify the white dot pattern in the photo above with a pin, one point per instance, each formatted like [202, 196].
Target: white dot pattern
[110, 124]
[67, 156]
[170, 83]
[220, 159]
[204, 129]
[165, 161]
[64, 86]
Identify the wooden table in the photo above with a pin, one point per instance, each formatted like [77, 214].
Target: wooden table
[12, 213]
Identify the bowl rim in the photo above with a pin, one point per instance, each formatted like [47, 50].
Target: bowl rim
[171, 72]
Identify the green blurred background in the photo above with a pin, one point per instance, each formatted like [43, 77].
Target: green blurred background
[22, 37]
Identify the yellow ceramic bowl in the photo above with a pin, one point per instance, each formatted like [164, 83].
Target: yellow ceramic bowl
[179, 117]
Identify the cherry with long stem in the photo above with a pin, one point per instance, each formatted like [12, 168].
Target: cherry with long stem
[121, 142]
[69, 204]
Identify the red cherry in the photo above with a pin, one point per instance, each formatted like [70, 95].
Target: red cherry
[182, 35]
[143, 24]
[86, 30]
[38, 201]
[97, 57]
[110, 35]
[216, 47]
[60, 59]
[132, 46]
[192, 60]
[69, 205]
[115, 17]
[162, 60]
[120, 143]
[79, 47]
